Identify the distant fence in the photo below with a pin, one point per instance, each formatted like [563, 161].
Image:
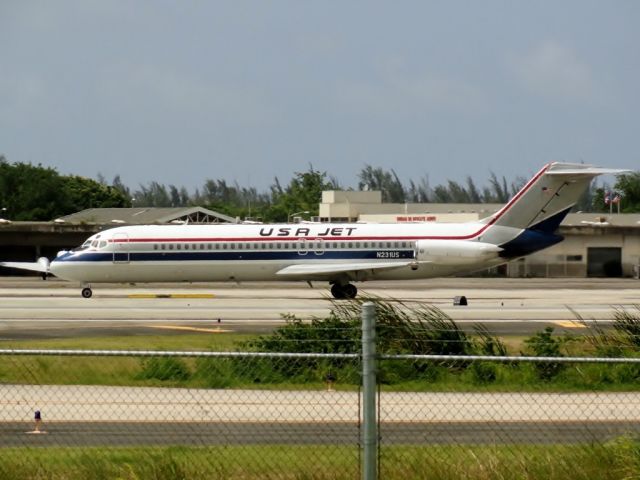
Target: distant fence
[256, 415]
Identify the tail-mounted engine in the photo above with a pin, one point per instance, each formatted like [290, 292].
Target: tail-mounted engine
[455, 251]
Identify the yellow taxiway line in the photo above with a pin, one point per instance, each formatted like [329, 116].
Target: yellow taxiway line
[569, 324]
[171, 295]
[190, 329]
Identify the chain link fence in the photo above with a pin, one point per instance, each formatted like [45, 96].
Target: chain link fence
[311, 428]
[148, 414]
[479, 423]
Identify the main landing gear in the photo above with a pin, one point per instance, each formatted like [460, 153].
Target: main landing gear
[86, 292]
[348, 290]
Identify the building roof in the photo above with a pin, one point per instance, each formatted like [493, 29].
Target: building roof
[147, 215]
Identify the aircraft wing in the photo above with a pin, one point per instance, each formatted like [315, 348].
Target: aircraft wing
[42, 265]
[332, 268]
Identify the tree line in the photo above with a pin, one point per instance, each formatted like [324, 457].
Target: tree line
[34, 192]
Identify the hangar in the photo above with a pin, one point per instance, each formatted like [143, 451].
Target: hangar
[27, 241]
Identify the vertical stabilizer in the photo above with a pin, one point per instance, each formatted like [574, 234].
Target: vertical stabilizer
[546, 199]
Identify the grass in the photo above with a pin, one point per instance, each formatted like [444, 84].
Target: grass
[616, 460]
[240, 373]
[118, 371]
[179, 341]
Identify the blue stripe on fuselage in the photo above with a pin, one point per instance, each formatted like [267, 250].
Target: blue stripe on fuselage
[158, 256]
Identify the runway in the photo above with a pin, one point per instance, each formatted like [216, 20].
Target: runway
[99, 416]
[32, 308]
[101, 434]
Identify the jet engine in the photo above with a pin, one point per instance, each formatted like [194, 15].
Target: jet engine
[455, 251]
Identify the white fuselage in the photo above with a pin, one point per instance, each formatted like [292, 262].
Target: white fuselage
[195, 253]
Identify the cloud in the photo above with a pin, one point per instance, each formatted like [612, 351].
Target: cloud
[21, 99]
[396, 91]
[172, 92]
[555, 71]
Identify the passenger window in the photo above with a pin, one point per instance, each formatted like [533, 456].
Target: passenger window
[357, 244]
[171, 246]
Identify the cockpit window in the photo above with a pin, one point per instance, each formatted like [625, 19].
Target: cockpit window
[84, 246]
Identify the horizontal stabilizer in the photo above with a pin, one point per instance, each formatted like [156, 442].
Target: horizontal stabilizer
[587, 170]
[333, 268]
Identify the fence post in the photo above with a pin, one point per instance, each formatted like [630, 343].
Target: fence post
[369, 421]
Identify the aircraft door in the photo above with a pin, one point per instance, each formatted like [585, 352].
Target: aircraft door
[120, 248]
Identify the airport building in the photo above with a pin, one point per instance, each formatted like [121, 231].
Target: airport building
[595, 245]
[27, 241]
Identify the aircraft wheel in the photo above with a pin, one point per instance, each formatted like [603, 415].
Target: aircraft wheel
[336, 291]
[86, 292]
[343, 291]
[350, 290]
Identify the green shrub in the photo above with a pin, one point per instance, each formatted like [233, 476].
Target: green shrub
[484, 372]
[165, 369]
[544, 344]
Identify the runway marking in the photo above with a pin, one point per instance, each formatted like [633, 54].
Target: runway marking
[191, 329]
[569, 324]
[171, 295]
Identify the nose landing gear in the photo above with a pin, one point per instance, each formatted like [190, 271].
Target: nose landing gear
[86, 292]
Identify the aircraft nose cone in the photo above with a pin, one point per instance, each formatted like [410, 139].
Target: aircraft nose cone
[61, 268]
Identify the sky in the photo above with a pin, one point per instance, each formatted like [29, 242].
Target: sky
[182, 91]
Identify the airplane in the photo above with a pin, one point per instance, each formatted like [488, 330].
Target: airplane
[337, 253]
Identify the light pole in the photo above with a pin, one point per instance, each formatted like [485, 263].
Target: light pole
[305, 212]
